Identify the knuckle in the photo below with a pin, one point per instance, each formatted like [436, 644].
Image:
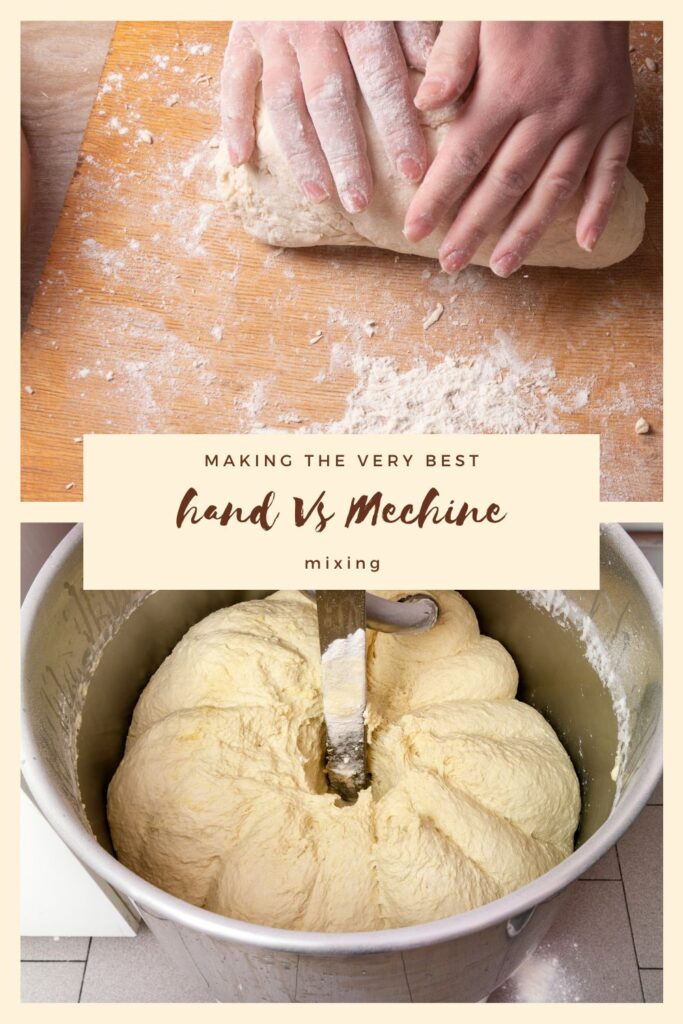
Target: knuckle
[560, 185]
[345, 167]
[510, 182]
[327, 96]
[467, 160]
[299, 149]
[615, 163]
[382, 79]
[400, 136]
[280, 96]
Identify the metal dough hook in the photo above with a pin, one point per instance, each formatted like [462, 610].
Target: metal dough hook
[343, 616]
[411, 614]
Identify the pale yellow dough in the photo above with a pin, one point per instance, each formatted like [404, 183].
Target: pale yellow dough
[221, 800]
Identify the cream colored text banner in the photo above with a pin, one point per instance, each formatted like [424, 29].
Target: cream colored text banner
[339, 511]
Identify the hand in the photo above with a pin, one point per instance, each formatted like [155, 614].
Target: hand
[550, 109]
[309, 72]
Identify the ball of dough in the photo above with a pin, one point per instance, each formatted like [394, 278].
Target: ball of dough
[267, 201]
[221, 797]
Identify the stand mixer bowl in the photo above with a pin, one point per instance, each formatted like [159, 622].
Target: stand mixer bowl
[589, 661]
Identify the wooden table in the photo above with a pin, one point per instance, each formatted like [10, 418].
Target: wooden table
[156, 313]
[61, 63]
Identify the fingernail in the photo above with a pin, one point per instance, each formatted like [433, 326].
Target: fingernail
[418, 228]
[505, 265]
[455, 260]
[353, 200]
[431, 91]
[409, 167]
[590, 239]
[315, 191]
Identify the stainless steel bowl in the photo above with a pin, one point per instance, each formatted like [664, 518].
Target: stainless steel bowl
[88, 654]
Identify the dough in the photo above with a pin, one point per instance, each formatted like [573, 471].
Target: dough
[265, 198]
[221, 798]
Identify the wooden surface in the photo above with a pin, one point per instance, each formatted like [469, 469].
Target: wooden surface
[61, 63]
[155, 313]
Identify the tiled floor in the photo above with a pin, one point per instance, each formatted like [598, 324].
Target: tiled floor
[606, 946]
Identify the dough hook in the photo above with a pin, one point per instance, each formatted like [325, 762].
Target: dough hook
[343, 616]
[411, 614]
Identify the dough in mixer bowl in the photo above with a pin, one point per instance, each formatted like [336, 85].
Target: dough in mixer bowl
[221, 797]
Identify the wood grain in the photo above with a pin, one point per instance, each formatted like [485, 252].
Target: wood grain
[155, 313]
[61, 63]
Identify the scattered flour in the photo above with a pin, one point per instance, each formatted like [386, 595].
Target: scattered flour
[198, 49]
[496, 391]
[192, 240]
[543, 978]
[109, 261]
[115, 125]
[254, 401]
[188, 168]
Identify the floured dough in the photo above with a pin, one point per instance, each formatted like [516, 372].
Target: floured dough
[266, 199]
[221, 799]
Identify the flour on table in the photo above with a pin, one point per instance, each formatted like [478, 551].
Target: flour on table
[495, 391]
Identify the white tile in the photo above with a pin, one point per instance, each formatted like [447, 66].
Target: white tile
[605, 868]
[640, 856]
[51, 982]
[137, 971]
[658, 793]
[48, 948]
[587, 956]
[652, 985]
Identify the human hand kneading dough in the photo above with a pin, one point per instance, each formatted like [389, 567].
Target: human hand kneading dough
[546, 110]
[309, 73]
[550, 108]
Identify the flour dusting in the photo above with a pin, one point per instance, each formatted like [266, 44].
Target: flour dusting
[495, 391]
[599, 656]
[545, 979]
